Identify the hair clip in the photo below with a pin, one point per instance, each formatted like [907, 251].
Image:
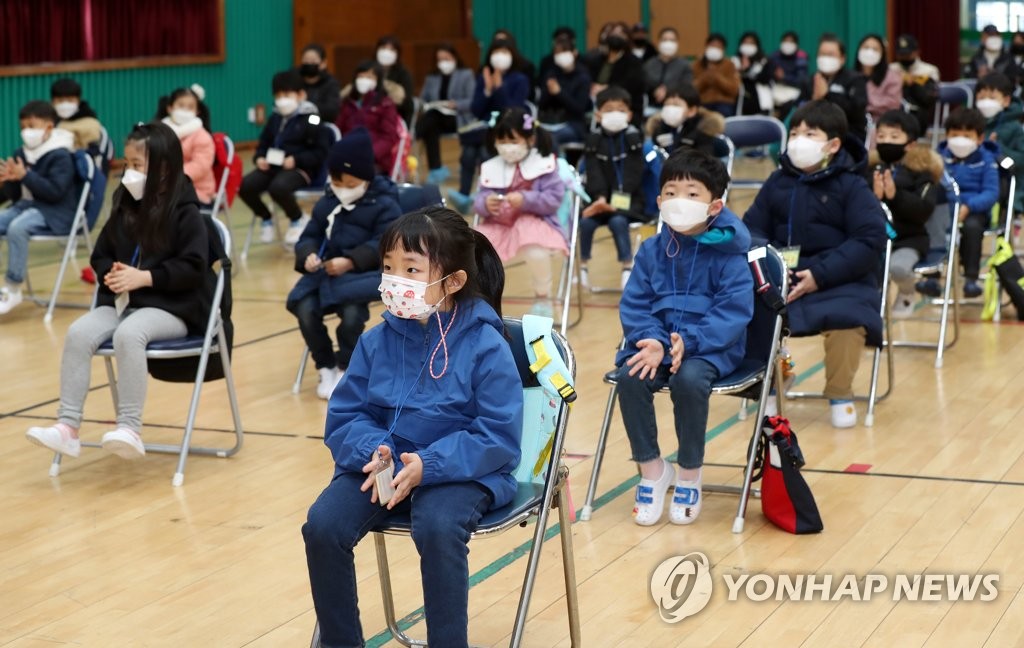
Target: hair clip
[527, 121]
[494, 118]
[198, 90]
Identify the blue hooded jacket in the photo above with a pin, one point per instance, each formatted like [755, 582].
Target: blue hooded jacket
[705, 292]
[839, 225]
[977, 176]
[465, 426]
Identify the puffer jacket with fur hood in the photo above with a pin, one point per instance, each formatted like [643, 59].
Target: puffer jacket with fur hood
[918, 179]
[698, 132]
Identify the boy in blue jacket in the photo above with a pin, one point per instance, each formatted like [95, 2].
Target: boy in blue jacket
[38, 180]
[290, 156]
[684, 313]
[972, 161]
[338, 255]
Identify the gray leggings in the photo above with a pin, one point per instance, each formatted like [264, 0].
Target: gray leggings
[901, 268]
[131, 332]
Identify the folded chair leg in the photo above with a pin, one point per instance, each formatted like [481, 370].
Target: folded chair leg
[569, 566]
[602, 440]
[55, 465]
[297, 385]
[229, 383]
[69, 251]
[531, 576]
[248, 238]
[315, 641]
[186, 440]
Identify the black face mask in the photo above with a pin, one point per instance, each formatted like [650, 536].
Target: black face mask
[907, 64]
[1017, 49]
[617, 43]
[309, 70]
[891, 153]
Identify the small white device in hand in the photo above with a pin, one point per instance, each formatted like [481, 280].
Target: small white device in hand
[275, 157]
[384, 474]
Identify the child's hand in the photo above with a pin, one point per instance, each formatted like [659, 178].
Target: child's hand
[515, 199]
[994, 136]
[289, 162]
[312, 262]
[596, 208]
[553, 87]
[408, 478]
[262, 164]
[878, 185]
[964, 210]
[338, 266]
[888, 186]
[647, 360]
[16, 169]
[805, 284]
[493, 204]
[820, 86]
[124, 278]
[677, 351]
[371, 467]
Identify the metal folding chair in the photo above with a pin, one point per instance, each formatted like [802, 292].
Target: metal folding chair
[213, 341]
[220, 201]
[951, 94]
[756, 377]
[754, 131]
[532, 500]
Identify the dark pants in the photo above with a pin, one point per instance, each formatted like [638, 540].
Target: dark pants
[311, 322]
[971, 235]
[472, 156]
[618, 223]
[431, 126]
[281, 184]
[443, 517]
[690, 388]
[722, 108]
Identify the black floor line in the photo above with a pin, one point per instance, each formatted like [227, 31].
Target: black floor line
[826, 471]
[166, 426]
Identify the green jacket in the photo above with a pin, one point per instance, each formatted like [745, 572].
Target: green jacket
[1009, 133]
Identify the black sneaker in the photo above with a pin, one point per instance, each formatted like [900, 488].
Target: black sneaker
[972, 289]
[929, 287]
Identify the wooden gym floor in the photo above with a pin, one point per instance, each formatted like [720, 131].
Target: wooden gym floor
[109, 554]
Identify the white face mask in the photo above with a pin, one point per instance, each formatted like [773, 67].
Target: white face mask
[994, 44]
[66, 109]
[805, 152]
[668, 47]
[349, 195]
[961, 147]
[286, 105]
[714, 54]
[32, 137]
[615, 121]
[446, 66]
[869, 57]
[748, 49]
[405, 298]
[683, 214]
[989, 107]
[135, 183]
[512, 153]
[364, 85]
[829, 64]
[788, 48]
[386, 56]
[501, 61]
[565, 60]
[673, 115]
[180, 116]
[639, 52]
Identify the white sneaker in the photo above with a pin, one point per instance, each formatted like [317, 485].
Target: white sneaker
[125, 443]
[585, 278]
[57, 437]
[844, 414]
[649, 501]
[291, 237]
[625, 276]
[9, 298]
[267, 232]
[903, 307]
[686, 502]
[329, 377]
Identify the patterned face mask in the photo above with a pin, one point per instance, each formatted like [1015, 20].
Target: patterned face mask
[405, 298]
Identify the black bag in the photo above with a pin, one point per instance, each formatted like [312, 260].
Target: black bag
[786, 499]
[1011, 275]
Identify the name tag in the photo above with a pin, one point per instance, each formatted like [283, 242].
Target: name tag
[275, 157]
[791, 255]
[621, 201]
[121, 303]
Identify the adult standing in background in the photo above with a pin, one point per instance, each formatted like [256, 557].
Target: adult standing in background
[667, 69]
[322, 89]
[716, 78]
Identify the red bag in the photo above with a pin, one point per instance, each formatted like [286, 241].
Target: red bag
[786, 499]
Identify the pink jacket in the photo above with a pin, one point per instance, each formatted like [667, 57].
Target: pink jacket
[198, 151]
[887, 96]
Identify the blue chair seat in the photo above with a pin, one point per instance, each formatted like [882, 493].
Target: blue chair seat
[180, 344]
[746, 374]
[528, 497]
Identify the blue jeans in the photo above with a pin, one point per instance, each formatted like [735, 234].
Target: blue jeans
[443, 516]
[690, 388]
[618, 223]
[472, 156]
[311, 322]
[18, 222]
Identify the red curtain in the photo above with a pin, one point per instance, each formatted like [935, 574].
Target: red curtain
[131, 29]
[41, 31]
[936, 24]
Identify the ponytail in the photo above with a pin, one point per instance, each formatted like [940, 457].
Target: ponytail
[490, 272]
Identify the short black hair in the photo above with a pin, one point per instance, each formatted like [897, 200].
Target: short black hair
[995, 81]
[520, 122]
[564, 44]
[791, 34]
[317, 49]
[40, 109]
[684, 91]
[966, 119]
[903, 121]
[564, 31]
[715, 36]
[666, 30]
[824, 115]
[613, 93]
[65, 88]
[696, 165]
[829, 37]
[287, 81]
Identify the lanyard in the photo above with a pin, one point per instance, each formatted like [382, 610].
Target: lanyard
[789, 219]
[135, 257]
[619, 163]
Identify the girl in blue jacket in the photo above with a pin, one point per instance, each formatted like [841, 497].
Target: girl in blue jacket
[433, 394]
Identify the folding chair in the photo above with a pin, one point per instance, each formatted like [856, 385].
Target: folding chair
[951, 93]
[729, 159]
[532, 500]
[215, 340]
[410, 197]
[754, 131]
[755, 377]
[311, 193]
[873, 396]
[221, 204]
[87, 174]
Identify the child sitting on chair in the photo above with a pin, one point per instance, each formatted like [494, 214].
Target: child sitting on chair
[184, 112]
[614, 160]
[38, 180]
[684, 123]
[338, 257]
[520, 193]
[433, 394]
[77, 116]
[684, 315]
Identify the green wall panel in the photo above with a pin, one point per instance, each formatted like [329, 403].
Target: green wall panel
[532, 22]
[258, 37]
[849, 19]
